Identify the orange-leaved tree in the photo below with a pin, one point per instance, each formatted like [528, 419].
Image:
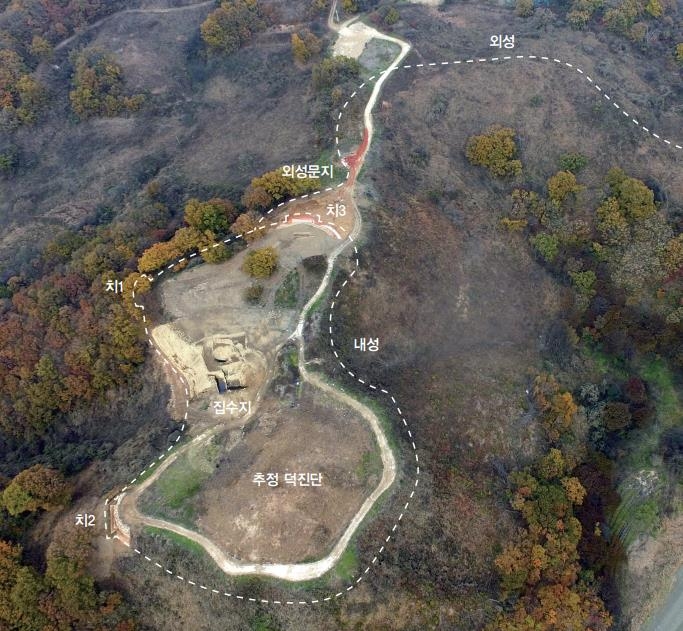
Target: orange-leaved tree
[249, 227]
[36, 488]
[496, 150]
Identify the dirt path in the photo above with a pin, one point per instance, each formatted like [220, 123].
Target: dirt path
[127, 502]
[106, 18]
[669, 617]
[297, 571]
[366, 33]
[293, 571]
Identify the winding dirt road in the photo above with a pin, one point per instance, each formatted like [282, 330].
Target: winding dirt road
[342, 30]
[106, 18]
[127, 502]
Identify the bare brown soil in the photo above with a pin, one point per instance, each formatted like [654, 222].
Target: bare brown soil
[208, 300]
[288, 524]
[652, 564]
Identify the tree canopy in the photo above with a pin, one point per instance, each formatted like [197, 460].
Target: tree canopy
[232, 25]
[36, 488]
[214, 215]
[64, 597]
[21, 96]
[305, 45]
[496, 150]
[247, 225]
[273, 186]
[562, 185]
[98, 86]
[635, 200]
[261, 263]
[540, 569]
[333, 71]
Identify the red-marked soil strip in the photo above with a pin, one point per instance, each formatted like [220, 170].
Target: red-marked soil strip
[355, 160]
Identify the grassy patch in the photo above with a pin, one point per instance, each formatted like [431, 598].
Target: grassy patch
[287, 294]
[370, 465]
[639, 512]
[343, 573]
[183, 542]
[328, 156]
[172, 495]
[604, 363]
[661, 381]
[264, 622]
[293, 358]
[179, 483]
[347, 566]
[319, 304]
[378, 55]
[635, 515]
[644, 444]
[149, 471]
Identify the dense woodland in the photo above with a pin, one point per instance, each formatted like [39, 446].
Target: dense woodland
[29, 30]
[625, 265]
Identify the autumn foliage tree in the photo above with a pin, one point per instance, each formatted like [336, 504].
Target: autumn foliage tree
[232, 25]
[273, 186]
[557, 407]
[581, 11]
[98, 86]
[206, 220]
[630, 202]
[524, 8]
[214, 215]
[64, 343]
[540, 569]
[29, 29]
[672, 255]
[635, 199]
[261, 263]
[279, 186]
[247, 225]
[635, 238]
[562, 185]
[256, 198]
[36, 488]
[305, 45]
[184, 241]
[158, 256]
[612, 223]
[350, 6]
[21, 96]
[41, 48]
[496, 150]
